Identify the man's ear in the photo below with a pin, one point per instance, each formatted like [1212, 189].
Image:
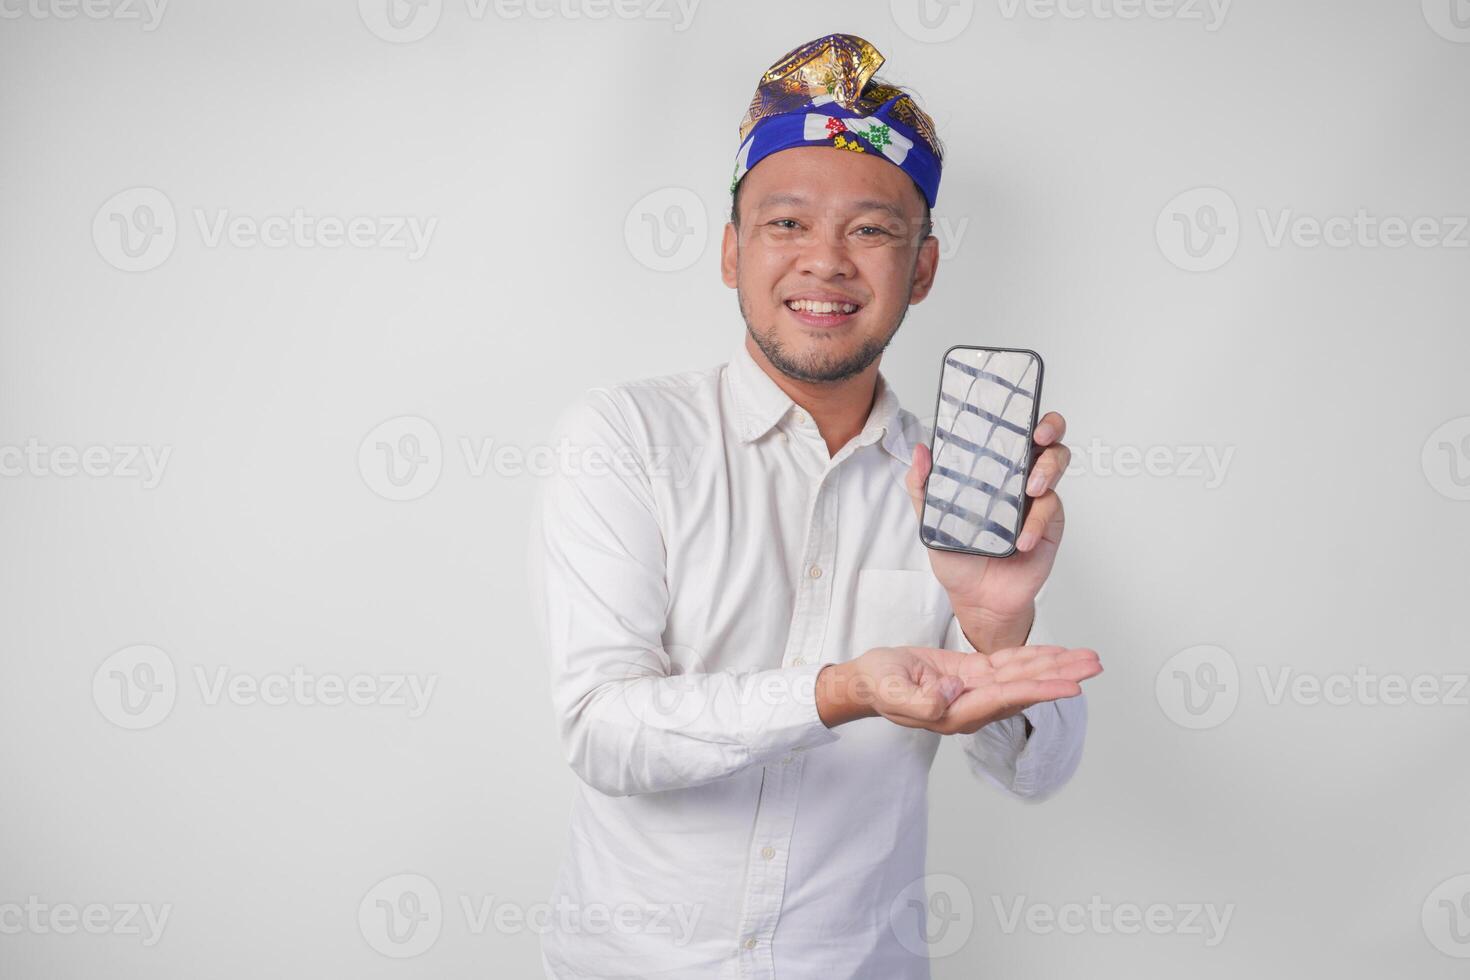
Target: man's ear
[730, 255]
[925, 268]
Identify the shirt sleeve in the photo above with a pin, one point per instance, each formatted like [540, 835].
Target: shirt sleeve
[629, 722]
[1033, 768]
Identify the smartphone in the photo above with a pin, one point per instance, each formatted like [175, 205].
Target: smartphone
[975, 497]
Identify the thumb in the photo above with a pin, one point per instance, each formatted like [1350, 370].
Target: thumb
[919, 466]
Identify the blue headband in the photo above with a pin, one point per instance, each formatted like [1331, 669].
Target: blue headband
[825, 122]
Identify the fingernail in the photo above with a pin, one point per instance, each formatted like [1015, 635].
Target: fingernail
[1025, 541]
[1043, 432]
[950, 687]
[1037, 483]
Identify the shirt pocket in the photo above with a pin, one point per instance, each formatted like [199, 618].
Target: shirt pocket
[899, 607]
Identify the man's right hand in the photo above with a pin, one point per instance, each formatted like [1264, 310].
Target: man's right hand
[946, 691]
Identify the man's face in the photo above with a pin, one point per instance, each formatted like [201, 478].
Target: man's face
[823, 225]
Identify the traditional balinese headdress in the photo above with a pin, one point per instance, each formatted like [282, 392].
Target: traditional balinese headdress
[823, 94]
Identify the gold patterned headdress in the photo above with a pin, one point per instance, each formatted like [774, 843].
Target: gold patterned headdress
[824, 92]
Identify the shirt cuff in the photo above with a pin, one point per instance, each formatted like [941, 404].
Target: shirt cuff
[790, 721]
[1052, 752]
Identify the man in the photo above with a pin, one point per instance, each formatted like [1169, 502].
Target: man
[753, 656]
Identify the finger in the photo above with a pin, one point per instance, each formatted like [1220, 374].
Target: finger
[914, 480]
[1000, 658]
[1027, 693]
[1067, 664]
[1048, 471]
[1045, 522]
[1050, 429]
[1020, 654]
[1077, 672]
[919, 711]
[966, 668]
[1047, 665]
[942, 661]
[992, 701]
[1002, 700]
[917, 705]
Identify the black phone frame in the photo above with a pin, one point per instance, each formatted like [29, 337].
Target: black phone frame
[1030, 447]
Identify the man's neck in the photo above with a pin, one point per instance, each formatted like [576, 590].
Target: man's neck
[839, 408]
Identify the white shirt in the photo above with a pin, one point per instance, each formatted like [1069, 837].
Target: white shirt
[696, 559]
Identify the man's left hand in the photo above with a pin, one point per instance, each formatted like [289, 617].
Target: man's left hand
[993, 598]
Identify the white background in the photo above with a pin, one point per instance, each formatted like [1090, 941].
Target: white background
[1080, 147]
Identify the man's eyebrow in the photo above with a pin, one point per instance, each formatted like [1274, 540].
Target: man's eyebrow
[867, 204]
[781, 198]
[876, 205]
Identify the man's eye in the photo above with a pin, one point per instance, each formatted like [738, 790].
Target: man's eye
[880, 231]
[783, 223]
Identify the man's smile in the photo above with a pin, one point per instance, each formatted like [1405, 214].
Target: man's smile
[822, 309]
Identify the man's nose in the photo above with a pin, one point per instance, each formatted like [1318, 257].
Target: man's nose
[825, 253]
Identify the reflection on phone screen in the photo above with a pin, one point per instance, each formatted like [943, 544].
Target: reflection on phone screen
[982, 444]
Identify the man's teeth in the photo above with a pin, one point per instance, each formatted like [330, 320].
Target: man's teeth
[812, 306]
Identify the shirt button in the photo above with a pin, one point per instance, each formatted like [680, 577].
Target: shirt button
[768, 852]
[797, 661]
[815, 571]
[750, 943]
[788, 760]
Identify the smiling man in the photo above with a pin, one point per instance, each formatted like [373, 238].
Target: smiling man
[753, 657]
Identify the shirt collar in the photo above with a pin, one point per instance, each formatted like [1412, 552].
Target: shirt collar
[760, 403]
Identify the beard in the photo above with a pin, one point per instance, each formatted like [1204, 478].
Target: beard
[822, 365]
